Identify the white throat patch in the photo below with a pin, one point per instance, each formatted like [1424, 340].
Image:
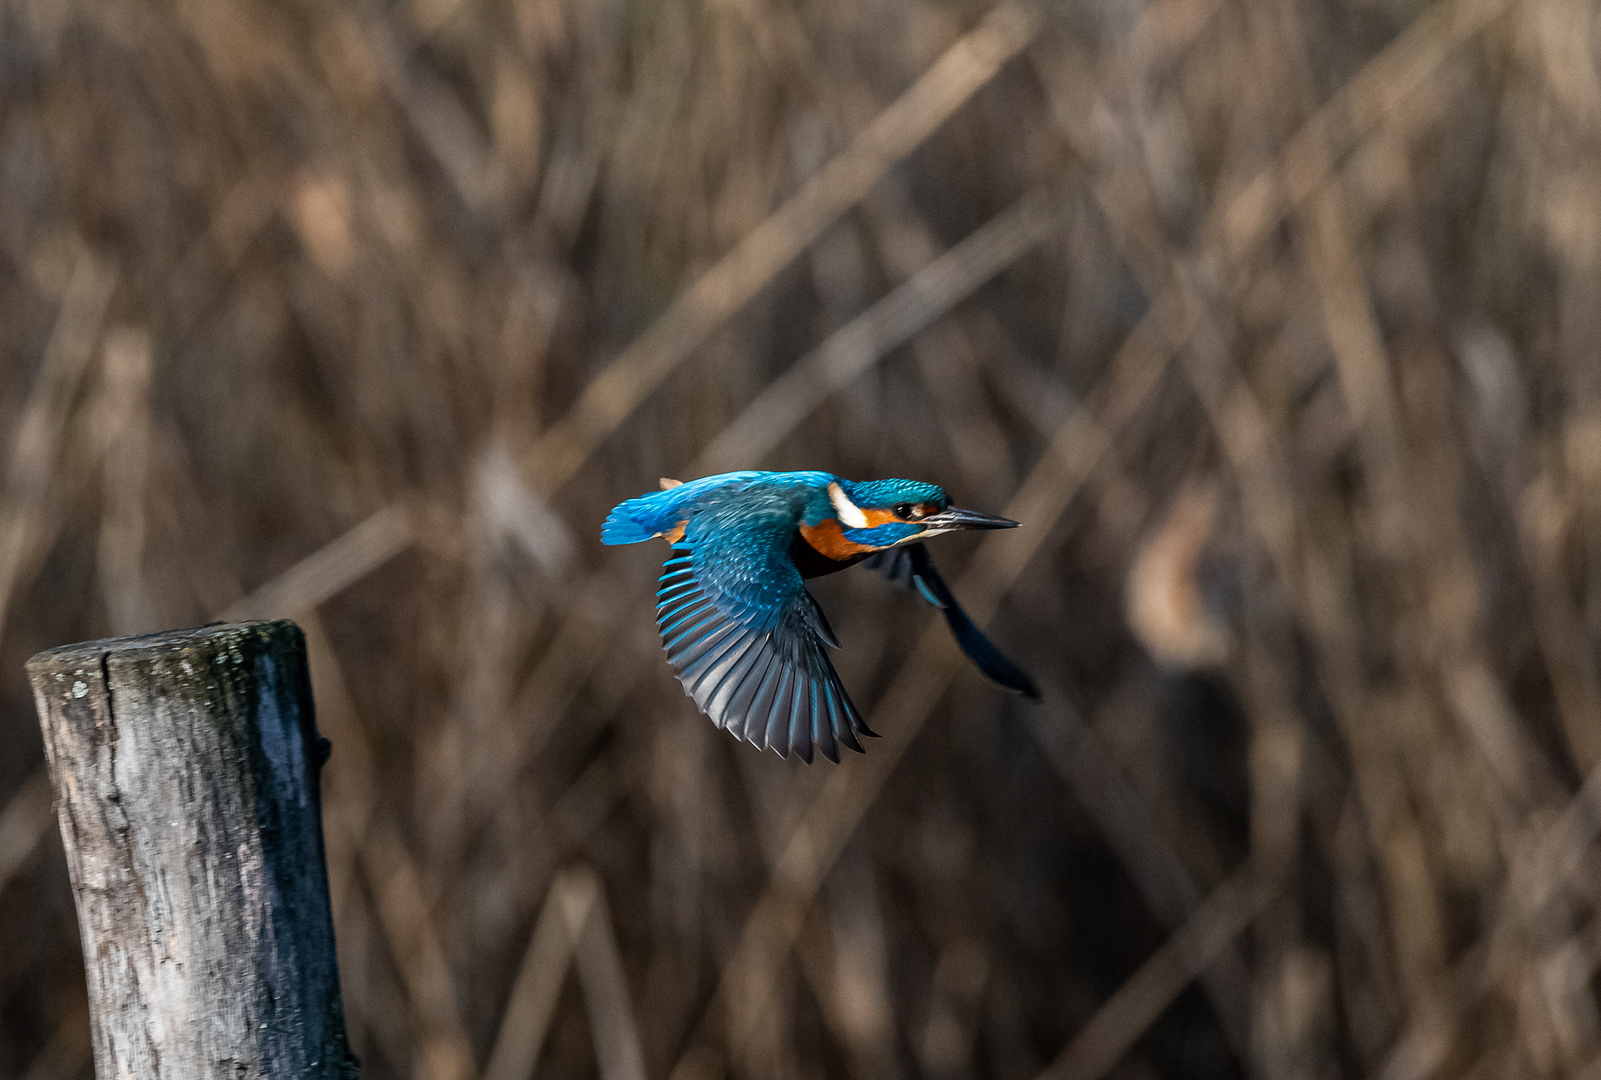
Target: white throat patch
[850, 515]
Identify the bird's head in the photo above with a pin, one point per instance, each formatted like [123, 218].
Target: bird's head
[884, 513]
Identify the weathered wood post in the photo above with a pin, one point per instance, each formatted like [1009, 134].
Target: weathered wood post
[186, 772]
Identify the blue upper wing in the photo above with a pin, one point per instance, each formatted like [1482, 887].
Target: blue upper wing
[912, 567]
[744, 636]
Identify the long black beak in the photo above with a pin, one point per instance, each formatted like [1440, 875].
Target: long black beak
[966, 519]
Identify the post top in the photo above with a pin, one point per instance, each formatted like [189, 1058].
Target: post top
[210, 639]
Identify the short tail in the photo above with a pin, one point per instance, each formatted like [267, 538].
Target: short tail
[623, 527]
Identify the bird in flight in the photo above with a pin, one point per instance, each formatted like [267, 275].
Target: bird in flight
[742, 633]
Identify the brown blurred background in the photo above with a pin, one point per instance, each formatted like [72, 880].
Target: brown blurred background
[1278, 322]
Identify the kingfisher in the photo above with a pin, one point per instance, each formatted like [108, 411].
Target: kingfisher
[744, 636]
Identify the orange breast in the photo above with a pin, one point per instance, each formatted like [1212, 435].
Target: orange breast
[828, 540]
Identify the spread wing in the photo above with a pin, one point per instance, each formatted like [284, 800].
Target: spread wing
[911, 567]
[744, 636]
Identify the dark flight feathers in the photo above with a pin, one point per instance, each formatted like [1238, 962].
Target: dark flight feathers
[744, 636]
[911, 568]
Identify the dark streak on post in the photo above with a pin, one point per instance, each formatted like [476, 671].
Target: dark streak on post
[186, 769]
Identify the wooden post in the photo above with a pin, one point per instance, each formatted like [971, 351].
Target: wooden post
[186, 772]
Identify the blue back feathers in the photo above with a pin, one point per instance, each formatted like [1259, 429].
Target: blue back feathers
[659, 512]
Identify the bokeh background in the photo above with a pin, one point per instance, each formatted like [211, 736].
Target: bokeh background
[1278, 323]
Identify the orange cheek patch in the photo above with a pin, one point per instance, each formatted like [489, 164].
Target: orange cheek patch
[828, 540]
[875, 518]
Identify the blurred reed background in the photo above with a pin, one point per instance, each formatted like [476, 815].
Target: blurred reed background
[1276, 321]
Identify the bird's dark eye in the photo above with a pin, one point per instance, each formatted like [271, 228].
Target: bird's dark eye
[904, 510]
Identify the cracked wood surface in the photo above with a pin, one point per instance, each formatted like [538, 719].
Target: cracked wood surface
[185, 768]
